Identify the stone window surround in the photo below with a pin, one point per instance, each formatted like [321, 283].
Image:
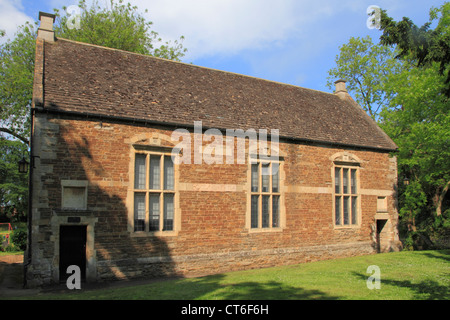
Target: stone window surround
[345, 160]
[155, 143]
[382, 204]
[163, 152]
[266, 155]
[260, 161]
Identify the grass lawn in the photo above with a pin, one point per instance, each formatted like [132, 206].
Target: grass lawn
[418, 275]
[13, 253]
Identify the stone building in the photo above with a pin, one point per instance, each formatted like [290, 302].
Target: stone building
[271, 174]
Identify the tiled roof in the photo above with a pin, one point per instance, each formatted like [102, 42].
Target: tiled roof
[84, 78]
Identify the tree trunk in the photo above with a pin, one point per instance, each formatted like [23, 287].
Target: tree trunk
[411, 223]
[440, 199]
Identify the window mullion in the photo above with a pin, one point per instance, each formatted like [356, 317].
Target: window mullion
[147, 170]
[270, 194]
[270, 211]
[147, 195]
[161, 194]
[260, 195]
[341, 205]
[161, 210]
[341, 198]
[147, 212]
[270, 177]
[161, 173]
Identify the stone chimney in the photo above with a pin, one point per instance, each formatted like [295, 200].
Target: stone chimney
[45, 31]
[341, 90]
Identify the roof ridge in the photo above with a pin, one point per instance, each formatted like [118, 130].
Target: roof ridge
[193, 65]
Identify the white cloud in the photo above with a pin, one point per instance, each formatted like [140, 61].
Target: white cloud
[220, 26]
[229, 26]
[11, 16]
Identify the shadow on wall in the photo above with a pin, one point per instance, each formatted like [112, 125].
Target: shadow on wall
[111, 253]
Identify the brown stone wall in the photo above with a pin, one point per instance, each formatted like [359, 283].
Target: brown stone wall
[213, 206]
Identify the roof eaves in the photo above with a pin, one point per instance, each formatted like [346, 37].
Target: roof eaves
[87, 115]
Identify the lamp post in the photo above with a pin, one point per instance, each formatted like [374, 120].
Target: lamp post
[23, 165]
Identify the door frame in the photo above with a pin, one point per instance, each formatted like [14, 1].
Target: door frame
[61, 219]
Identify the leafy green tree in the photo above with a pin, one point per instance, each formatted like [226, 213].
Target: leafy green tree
[19, 239]
[366, 67]
[422, 126]
[16, 82]
[424, 44]
[120, 26]
[401, 82]
[418, 120]
[13, 185]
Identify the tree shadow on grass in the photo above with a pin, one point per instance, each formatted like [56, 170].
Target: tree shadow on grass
[423, 290]
[441, 254]
[215, 287]
[273, 290]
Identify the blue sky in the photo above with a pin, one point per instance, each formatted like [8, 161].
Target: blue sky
[289, 41]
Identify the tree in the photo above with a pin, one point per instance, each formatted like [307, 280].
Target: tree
[404, 90]
[16, 82]
[13, 185]
[120, 26]
[366, 68]
[423, 126]
[425, 45]
[418, 120]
